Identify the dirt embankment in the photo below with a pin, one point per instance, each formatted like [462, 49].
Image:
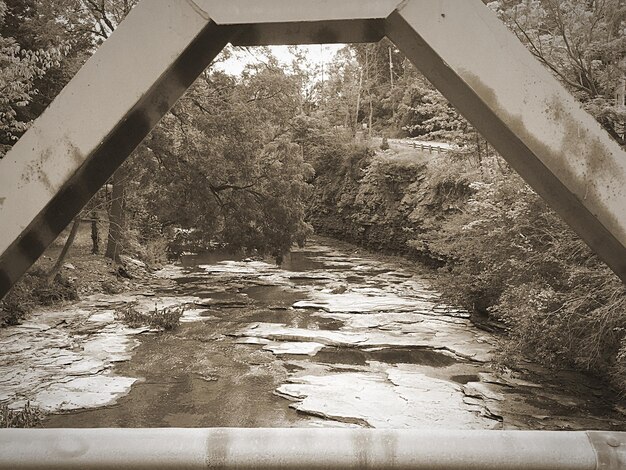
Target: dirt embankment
[81, 274]
[386, 201]
[496, 248]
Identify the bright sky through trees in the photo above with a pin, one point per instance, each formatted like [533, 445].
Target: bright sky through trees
[316, 54]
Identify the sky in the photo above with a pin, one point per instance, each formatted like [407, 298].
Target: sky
[317, 54]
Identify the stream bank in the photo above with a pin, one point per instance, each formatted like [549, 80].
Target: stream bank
[494, 247]
[333, 337]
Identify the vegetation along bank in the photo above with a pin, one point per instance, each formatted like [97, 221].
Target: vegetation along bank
[256, 161]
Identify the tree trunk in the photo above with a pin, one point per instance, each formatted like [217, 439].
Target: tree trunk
[369, 125]
[116, 216]
[95, 234]
[66, 248]
[358, 103]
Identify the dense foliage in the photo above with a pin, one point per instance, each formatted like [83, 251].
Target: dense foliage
[223, 164]
[234, 163]
[501, 252]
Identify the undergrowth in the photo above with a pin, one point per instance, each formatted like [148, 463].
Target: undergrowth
[33, 290]
[26, 417]
[501, 252]
[166, 318]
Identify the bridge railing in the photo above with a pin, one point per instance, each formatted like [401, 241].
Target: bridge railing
[311, 448]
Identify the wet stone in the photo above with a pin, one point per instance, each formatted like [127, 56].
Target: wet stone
[393, 398]
[332, 337]
[303, 347]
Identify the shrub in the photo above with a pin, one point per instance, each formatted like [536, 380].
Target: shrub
[512, 258]
[32, 290]
[166, 318]
[151, 250]
[26, 417]
[384, 145]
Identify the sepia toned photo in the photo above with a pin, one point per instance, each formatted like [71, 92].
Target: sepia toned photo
[322, 234]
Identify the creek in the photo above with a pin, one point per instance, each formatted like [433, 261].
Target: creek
[335, 336]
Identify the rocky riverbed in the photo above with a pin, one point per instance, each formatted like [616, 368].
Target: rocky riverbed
[332, 337]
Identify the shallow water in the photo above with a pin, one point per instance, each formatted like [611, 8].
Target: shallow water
[333, 337]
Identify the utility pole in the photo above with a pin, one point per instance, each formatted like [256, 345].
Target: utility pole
[322, 87]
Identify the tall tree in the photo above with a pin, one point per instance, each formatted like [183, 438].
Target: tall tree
[21, 66]
[223, 163]
[583, 44]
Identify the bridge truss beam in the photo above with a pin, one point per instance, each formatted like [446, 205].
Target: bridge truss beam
[161, 47]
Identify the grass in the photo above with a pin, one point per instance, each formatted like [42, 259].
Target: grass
[167, 318]
[32, 290]
[26, 417]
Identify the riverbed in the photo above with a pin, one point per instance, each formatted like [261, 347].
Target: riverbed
[334, 336]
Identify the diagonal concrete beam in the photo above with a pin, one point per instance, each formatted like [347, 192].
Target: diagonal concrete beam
[116, 98]
[557, 147]
[157, 52]
[126, 87]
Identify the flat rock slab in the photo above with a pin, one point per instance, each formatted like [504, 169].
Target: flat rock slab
[458, 341]
[302, 347]
[61, 360]
[396, 397]
[356, 302]
[83, 392]
[195, 314]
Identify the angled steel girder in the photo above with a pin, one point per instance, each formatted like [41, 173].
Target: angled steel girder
[157, 52]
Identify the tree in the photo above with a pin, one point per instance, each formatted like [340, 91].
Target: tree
[58, 26]
[19, 70]
[223, 162]
[424, 112]
[583, 44]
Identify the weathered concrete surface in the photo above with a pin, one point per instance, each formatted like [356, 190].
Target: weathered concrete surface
[289, 448]
[290, 11]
